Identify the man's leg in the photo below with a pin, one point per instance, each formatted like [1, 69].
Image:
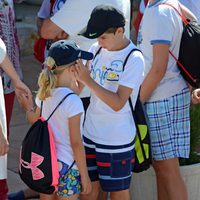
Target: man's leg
[170, 183]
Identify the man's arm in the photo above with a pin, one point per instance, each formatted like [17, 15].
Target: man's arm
[7, 67]
[187, 13]
[4, 145]
[157, 71]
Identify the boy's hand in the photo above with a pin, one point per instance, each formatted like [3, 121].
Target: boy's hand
[196, 96]
[81, 72]
[86, 184]
[4, 145]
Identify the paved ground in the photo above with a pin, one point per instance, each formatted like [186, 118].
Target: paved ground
[19, 125]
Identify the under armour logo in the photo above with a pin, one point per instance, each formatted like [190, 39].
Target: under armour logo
[36, 160]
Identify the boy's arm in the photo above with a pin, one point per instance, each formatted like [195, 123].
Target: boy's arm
[157, 71]
[114, 100]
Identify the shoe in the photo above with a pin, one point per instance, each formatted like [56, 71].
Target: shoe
[16, 196]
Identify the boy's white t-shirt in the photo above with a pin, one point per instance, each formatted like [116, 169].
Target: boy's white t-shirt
[103, 125]
[59, 121]
[162, 25]
[3, 159]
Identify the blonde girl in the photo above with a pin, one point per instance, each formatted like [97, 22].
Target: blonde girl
[55, 82]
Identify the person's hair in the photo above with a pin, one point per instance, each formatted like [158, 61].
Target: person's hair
[48, 78]
[113, 30]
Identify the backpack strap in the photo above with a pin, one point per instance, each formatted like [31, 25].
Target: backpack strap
[51, 6]
[131, 105]
[41, 108]
[56, 106]
[127, 57]
[98, 51]
[185, 21]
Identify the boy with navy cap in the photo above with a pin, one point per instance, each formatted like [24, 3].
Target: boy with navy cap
[116, 73]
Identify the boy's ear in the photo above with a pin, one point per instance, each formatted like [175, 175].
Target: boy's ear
[120, 30]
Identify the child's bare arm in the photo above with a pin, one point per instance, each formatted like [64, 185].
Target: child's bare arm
[79, 152]
[115, 100]
[157, 71]
[26, 103]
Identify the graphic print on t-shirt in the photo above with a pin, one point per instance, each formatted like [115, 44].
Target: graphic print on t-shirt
[107, 74]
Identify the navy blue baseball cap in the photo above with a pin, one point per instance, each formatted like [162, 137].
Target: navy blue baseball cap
[101, 19]
[66, 51]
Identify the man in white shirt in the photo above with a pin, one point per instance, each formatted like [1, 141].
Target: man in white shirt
[72, 17]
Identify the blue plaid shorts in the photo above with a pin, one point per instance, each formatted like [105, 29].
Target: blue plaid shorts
[169, 124]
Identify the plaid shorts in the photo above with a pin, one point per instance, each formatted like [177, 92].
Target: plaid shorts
[112, 166]
[169, 124]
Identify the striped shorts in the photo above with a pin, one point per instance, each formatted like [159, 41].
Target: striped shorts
[112, 166]
[169, 124]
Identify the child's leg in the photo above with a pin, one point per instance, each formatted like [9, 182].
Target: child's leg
[94, 194]
[111, 171]
[47, 196]
[74, 197]
[123, 194]
[92, 170]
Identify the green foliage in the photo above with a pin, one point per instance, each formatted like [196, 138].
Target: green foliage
[195, 136]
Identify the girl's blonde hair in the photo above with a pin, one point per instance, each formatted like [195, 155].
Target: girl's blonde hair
[47, 79]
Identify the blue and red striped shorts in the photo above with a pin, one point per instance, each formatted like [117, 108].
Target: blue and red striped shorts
[112, 166]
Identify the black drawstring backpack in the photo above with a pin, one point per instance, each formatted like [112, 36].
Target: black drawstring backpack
[189, 59]
[38, 166]
[142, 142]
[143, 158]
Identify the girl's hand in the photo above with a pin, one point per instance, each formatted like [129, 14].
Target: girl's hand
[196, 96]
[86, 184]
[81, 72]
[26, 102]
[4, 145]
